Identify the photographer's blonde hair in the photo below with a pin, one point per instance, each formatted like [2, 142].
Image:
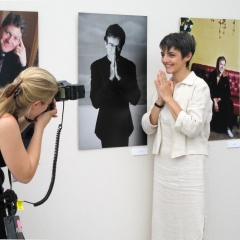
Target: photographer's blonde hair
[35, 84]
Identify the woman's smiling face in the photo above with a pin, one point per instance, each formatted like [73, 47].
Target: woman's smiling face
[173, 61]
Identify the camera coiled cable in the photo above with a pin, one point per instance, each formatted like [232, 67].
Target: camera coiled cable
[54, 165]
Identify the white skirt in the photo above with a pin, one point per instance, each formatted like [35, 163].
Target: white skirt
[180, 197]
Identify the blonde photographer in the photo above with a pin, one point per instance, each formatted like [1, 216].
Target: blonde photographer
[23, 102]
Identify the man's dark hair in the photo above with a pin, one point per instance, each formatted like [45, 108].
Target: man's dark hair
[117, 32]
[183, 41]
[17, 20]
[221, 58]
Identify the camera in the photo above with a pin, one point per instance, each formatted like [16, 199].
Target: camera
[68, 91]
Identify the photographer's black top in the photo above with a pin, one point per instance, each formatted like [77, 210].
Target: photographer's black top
[2, 207]
[2, 164]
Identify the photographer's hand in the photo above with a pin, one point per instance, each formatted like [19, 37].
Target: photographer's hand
[44, 118]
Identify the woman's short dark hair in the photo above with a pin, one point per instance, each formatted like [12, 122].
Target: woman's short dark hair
[117, 32]
[183, 41]
[17, 20]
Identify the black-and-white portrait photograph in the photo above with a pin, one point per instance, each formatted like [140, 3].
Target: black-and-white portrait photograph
[216, 60]
[18, 43]
[112, 66]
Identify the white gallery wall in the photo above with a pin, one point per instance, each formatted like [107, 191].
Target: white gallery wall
[106, 194]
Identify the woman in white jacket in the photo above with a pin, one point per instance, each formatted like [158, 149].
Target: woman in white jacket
[180, 116]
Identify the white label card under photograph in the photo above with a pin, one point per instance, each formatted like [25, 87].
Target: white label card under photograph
[233, 144]
[139, 151]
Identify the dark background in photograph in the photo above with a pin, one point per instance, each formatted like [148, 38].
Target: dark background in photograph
[91, 46]
[30, 40]
[215, 38]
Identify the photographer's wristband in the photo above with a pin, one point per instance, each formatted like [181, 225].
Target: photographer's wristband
[30, 120]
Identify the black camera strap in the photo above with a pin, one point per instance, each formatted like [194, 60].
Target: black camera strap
[10, 179]
[54, 165]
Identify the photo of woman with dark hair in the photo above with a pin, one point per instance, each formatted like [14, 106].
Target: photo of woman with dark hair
[218, 81]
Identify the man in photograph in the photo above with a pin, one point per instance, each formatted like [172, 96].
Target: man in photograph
[13, 57]
[113, 86]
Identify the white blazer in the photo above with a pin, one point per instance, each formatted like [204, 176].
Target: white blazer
[191, 130]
